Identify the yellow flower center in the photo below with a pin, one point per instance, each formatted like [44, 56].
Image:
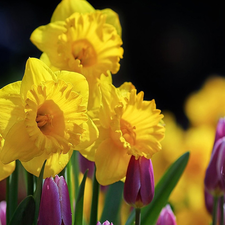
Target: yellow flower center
[128, 132]
[84, 51]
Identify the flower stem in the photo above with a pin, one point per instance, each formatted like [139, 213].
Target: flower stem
[215, 201]
[12, 193]
[137, 216]
[30, 183]
[221, 202]
[94, 204]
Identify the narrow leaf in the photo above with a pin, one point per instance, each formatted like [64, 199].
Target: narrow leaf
[37, 193]
[24, 214]
[79, 202]
[112, 202]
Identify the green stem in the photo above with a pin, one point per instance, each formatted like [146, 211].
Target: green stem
[12, 193]
[30, 183]
[215, 201]
[75, 166]
[137, 216]
[94, 204]
[221, 202]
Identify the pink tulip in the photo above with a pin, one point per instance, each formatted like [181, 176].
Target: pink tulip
[166, 217]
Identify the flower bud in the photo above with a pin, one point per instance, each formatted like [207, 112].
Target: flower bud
[139, 183]
[220, 129]
[166, 216]
[215, 173]
[3, 212]
[105, 223]
[55, 203]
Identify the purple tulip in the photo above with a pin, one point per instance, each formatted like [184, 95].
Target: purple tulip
[139, 183]
[220, 129]
[166, 217]
[55, 203]
[3, 212]
[105, 223]
[215, 173]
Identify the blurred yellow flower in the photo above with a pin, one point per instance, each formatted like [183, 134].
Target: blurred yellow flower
[82, 43]
[6, 169]
[44, 117]
[128, 125]
[206, 106]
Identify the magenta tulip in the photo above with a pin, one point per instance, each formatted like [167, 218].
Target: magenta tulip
[105, 223]
[215, 173]
[3, 212]
[139, 183]
[166, 217]
[55, 203]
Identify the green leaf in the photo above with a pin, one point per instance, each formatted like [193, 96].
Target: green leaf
[163, 190]
[112, 202]
[24, 214]
[79, 202]
[37, 193]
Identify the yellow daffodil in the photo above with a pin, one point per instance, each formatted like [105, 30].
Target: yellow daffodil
[128, 125]
[44, 117]
[5, 169]
[82, 43]
[67, 7]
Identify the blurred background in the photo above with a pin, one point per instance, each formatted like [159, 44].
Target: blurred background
[174, 52]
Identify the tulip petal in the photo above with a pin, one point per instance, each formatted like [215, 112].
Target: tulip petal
[64, 200]
[147, 180]
[49, 212]
[132, 184]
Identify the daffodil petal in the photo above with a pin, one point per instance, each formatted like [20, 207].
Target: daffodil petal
[6, 169]
[36, 72]
[111, 163]
[88, 137]
[67, 7]
[113, 19]
[56, 162]
[79, 82]
[11, 107]
[18, 145]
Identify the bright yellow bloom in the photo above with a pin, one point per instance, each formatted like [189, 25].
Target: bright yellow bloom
[128, 125]
[5, 169]
[206, 106]
[67, 7]
[82, 43]
[44, 117]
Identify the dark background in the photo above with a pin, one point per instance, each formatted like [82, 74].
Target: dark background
[170, 47]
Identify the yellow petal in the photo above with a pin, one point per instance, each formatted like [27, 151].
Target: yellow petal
[18, 145]
[55, 164]
[6, 169]
[67, 7]
[79, 82]
[88, 137]
[36, 72]
[111, 163]
[113, 19]
[11, 106]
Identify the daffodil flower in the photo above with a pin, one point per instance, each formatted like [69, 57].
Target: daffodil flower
[82, 43]
[128, 126]
[44, 116]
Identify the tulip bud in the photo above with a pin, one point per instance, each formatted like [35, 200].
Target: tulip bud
[3, 212]
[215, 173]
[220, 129]
[55, 203]
[139, 183]
[105, 223]
[166, 216]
